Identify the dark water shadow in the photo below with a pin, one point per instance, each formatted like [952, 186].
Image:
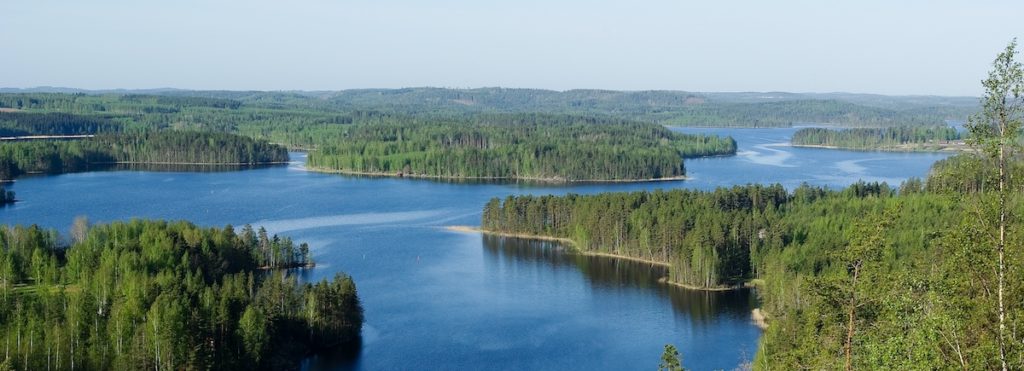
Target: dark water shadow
[164, 168]
[345, 357]
[701, 307]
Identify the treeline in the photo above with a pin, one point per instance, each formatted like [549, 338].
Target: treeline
[286, 117]
[13, 124]
[273, 252]
[185, 147]
[890, 138]
[711, 239]
[553, 147]
[159, 295]
[669, 107]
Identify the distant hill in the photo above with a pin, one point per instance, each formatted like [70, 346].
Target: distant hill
[679, 108]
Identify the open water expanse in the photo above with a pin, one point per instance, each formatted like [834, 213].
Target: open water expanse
[436, 299]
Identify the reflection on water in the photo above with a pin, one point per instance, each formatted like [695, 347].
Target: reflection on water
[189, 168]
[159, 168]
[699, 306]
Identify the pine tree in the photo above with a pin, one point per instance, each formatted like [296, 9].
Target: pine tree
[670, 359]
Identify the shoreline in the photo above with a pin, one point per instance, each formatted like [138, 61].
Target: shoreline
[471, 229]
[192, 163]
[667, 281]
[553, 180]
[946, 149]
[760, 318]
[242, 164]
[663, 280]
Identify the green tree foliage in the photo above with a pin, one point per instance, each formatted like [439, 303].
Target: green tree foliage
[670, 359]
[159, 295]
[14, 124]
[914, 266]
[972, 174]
[665, 107]
[890, 138]
[996, 131]
[181, 147]
[518, 146]
[308, 119]
[709, 238]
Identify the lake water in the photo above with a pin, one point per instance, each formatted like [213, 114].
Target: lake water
[436, 299]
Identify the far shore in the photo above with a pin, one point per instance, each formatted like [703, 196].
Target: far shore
[572, 244]
[498, 178]
[955, 147]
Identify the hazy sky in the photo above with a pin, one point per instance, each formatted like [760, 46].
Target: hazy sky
[870, 46]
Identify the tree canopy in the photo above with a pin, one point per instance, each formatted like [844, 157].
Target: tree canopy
[165, 295]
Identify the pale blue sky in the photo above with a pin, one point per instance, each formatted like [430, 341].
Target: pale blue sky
[868, 46]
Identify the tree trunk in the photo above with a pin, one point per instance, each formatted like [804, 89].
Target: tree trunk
[1002, 238]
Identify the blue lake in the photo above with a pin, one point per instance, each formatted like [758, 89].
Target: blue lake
[436, 299]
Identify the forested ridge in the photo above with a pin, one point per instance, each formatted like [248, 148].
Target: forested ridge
[891, 138]
[353, 130]
[261, 114]
[551, 147]
[164, 295]
[164, 147]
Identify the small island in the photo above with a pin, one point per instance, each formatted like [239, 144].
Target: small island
[899, 139]
[532, 147]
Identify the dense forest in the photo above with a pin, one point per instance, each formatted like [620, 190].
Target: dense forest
[707, 237]
[164, 295]
[797, 248]
[867, 277]
[549, 147]
[14, 124]
[164, 147]
[902, 138]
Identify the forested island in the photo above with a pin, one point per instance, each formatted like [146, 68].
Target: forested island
[165, 295]
[164, 147]
[531, 147]
[899, 138]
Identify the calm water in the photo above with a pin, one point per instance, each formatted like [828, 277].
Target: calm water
[436, 299]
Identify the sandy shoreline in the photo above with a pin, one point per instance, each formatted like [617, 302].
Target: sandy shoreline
[760, 318]
[503, 178]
